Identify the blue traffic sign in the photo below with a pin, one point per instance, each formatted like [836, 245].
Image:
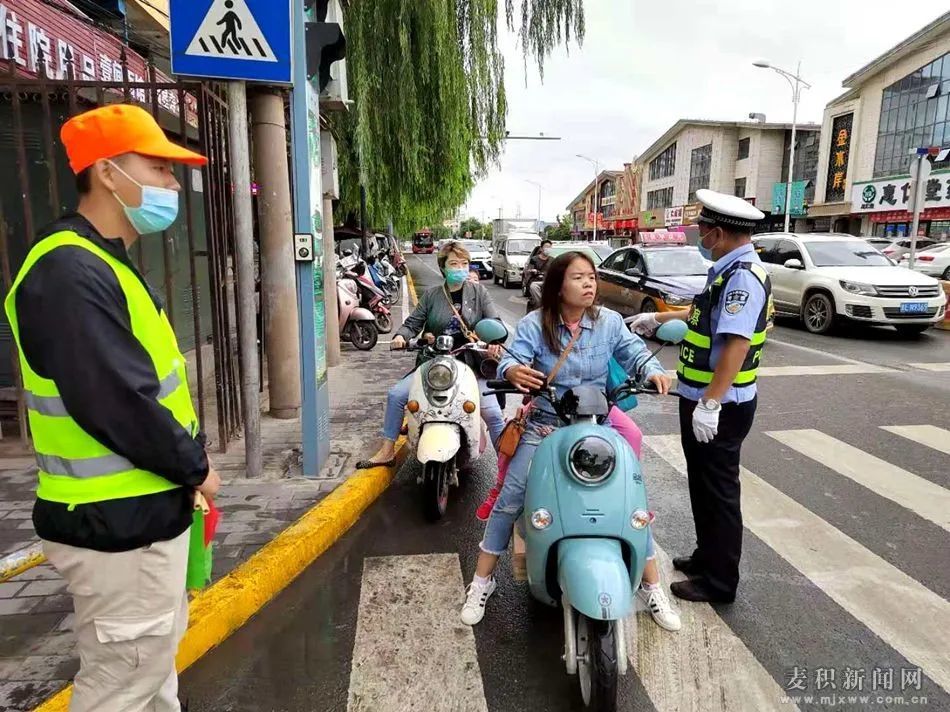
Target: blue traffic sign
[232, 39]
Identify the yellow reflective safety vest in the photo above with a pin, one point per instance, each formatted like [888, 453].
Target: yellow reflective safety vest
[695, 367]
[74, 467]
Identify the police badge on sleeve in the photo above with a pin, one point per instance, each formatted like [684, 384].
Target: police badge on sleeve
[736, 300]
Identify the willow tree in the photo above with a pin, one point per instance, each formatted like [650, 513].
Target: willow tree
[427, 81]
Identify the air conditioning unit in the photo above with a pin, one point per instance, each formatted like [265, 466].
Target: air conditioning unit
[335, 96]
[328, 166]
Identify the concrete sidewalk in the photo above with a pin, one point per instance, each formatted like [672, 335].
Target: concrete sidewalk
[37, 644]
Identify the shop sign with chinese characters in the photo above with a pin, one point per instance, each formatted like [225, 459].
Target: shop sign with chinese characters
[838, 157]
[895, 193]
[34, 32]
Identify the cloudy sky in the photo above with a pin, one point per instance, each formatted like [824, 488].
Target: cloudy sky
[646, 63]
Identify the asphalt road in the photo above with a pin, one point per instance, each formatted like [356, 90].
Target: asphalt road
[844, 592]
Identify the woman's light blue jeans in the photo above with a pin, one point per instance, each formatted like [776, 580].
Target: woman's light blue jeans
[510, 502]
[399, 396]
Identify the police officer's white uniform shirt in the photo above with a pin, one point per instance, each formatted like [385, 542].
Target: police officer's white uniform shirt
[740, 303]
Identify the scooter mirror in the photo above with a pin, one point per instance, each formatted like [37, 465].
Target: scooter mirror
[491, 331]
[672, 332]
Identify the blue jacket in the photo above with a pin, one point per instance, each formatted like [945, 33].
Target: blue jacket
[587, 364]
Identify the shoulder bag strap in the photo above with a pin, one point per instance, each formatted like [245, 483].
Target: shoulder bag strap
[564, 354]
[469, 334]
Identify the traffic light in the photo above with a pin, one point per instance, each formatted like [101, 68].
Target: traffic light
[325, 43]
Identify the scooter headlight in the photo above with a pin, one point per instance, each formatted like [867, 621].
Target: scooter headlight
[439, 377]
[541, 519]
[592, 460]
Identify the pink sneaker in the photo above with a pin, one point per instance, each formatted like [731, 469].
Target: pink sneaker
[484, 510]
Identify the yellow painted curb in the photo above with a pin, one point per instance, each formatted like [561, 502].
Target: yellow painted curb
[19, 561]
[225, 606]
[412, 288]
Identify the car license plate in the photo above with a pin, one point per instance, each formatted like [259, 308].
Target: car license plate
[914, 308]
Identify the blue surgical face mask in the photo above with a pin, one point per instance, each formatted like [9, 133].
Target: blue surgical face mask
[706, 252]
[455, 277]
[158, 210]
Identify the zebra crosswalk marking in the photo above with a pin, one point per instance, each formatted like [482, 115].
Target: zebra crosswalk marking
[705, 667]
[920, 496]
[929, 435]
[898, 609]
[411, 650]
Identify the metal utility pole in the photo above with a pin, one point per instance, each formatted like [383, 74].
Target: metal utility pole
[244, 256]
[796, 83]
[279, 299]
[596, 165]
[920, 169]
[364, 239]
[540, 187]
[329, 285]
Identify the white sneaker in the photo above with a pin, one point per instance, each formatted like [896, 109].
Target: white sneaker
[657, 602]
[476, 596]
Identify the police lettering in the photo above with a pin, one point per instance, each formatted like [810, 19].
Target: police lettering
[687, 353]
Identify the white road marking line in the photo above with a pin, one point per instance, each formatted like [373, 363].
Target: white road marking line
[411, 649]
[405, 297]
[905, 488]
[705, 667]
[816, 352]
[898, 609]
[944, 366]
[834, 369]
[929, 435]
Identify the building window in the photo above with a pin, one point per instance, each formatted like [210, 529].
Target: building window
[740, 188]
[700, 167]
[743, 149]
[915, 112]
[657, 199]
[664, 165]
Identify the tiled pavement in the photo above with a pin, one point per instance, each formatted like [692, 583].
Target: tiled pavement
[37, 645]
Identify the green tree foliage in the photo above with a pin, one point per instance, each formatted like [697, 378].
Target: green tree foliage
[427, 81]
[441, 232]
[561, 231]
[478, 230]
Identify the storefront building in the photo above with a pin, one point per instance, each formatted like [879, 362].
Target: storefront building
[747, 159]
[897, 103]
[611, 193]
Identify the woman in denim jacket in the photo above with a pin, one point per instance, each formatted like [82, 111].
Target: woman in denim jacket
[570, 290]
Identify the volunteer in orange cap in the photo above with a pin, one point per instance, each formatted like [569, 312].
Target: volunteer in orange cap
[114, 428]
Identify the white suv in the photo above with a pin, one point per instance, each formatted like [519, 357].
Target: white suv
[824, 278]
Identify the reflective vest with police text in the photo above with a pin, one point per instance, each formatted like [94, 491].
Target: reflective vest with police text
[695, 367]
[74, 467]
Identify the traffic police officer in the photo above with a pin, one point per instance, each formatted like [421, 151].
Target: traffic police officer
[114, 428]
[717, 369]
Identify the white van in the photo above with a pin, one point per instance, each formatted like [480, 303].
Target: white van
[510, 255]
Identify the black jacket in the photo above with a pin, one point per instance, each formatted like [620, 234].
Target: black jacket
[75, 330]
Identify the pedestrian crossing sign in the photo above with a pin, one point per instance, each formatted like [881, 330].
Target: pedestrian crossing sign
[232, 39]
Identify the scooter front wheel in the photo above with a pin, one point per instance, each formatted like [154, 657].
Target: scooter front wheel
[364, 335]
[384, 322]
[597, 669]
[436, 479]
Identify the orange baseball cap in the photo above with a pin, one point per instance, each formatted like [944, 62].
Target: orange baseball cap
[110, 131]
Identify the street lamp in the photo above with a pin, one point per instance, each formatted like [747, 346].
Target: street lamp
[796, 83]
[596, 165]
[540, 187]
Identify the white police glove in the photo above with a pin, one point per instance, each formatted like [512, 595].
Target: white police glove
[643, 324]
[706, 420]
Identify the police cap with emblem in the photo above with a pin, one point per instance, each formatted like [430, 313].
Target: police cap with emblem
[727, 210]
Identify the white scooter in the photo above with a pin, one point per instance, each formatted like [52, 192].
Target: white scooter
[446, 430]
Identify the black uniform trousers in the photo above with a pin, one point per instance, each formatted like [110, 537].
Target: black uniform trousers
[713, 470]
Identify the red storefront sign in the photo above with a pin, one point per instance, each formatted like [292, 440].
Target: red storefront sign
[622, 224]
[898, 216]
[30, 29]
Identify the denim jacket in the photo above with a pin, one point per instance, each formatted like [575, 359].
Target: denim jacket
[587, 363]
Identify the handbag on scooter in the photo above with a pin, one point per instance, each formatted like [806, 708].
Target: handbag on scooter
[616, 377]
[510, 437]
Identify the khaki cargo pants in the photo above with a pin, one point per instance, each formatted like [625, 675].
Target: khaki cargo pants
[131, 611]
